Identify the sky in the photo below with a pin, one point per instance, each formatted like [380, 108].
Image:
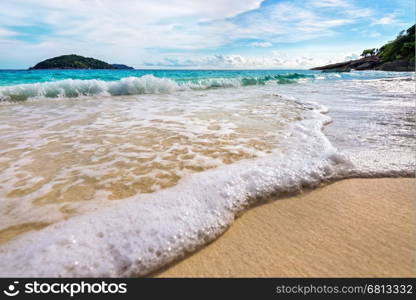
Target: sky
[199, 34]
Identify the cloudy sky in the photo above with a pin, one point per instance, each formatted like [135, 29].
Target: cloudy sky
[221, 34]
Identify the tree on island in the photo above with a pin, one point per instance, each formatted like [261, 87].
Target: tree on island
[368, 52]
[402, 48]
[396, 55]
[73, 61]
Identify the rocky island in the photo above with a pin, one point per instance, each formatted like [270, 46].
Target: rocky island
[73, 61]
[122, 67]
[397, 55]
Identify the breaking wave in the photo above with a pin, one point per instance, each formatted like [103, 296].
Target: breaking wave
[147, 84]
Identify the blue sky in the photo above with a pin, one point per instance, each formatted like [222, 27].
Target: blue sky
[243, 34]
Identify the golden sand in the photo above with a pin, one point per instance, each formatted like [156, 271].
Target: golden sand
[352, 228]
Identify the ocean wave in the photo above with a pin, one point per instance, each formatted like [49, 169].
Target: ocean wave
[147, 84]
[145, 232]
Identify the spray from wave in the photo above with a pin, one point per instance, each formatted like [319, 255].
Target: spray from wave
[147, 84]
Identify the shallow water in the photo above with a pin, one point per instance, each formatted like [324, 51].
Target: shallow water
[155, 166]
[61, 152]
[373, 120]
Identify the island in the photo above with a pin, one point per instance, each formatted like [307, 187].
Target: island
[397, 55]
[122, 67]
[74, 61]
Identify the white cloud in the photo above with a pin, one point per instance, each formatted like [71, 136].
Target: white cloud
[163, 23]
[291, 22]
[222, 61]
[331, 3]
[6, 33]
[261, 44]
[353, 56]
[375, 34]
[136, 32]
[386, 20]
[275, 60]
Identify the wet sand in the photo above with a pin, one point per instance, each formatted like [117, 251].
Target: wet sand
[351, 228]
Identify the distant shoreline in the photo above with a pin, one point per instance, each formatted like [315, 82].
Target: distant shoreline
[144, 69]
[372, 63]
[396, 56]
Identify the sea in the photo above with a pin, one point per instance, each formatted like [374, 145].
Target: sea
[117, 173]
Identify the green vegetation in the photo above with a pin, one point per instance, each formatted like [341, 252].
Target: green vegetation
[72, 62]
[369, 52]
[402, 48]
[397, 55]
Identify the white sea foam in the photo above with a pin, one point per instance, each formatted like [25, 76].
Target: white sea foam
[70, 88]
[59, 154]
[145, 232]
[147, 84]
[395, 86]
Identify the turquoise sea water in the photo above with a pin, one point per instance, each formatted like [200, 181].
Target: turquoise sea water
[17, 85]
[13, 77]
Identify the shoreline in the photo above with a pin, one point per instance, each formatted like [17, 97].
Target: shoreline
[350, 228]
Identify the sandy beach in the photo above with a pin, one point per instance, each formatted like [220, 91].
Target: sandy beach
[351, 228]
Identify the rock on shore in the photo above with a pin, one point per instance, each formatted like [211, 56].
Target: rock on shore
[396, 55]
[369, 63]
